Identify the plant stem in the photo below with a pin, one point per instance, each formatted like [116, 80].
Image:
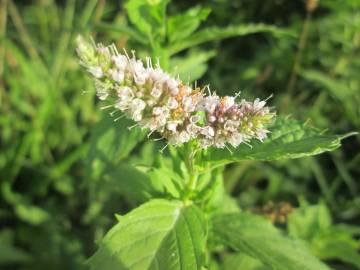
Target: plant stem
[298, 56]
[193, 174]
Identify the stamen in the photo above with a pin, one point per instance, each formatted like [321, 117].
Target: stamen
[107, 107]
[269, 97]
[122, 116]
[228, 148]
[150, 133]
[131, 127]
[162, 150]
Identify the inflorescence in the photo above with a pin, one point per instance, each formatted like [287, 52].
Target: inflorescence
[161, 103]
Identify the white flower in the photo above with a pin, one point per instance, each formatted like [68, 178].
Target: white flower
[137, 105]
[188, 104]
[96, 72]
[208, 131]
[172, 103]
[236, 139]
[102, 89]
[137, 116]
[183, 137]
[120, 61]
[258, 104]
[156, 92]
[228, 102]
[172, 126]
[125, 92]
[231, 125]
[157, 111]
[209, 103]
[117, 75]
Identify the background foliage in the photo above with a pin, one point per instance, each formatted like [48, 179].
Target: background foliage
[64, 163]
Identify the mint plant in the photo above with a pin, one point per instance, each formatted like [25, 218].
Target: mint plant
[186, 217]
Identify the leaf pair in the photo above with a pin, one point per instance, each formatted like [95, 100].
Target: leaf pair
[169, 235]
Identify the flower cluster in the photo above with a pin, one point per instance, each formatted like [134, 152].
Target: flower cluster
[163, 104]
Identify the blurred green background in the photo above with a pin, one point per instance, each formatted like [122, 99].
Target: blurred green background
[62, 159]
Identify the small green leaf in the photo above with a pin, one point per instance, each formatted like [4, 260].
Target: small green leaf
[31, 214]
[307, 221]
[216, 33]
[132, 182]
[182, 25]
[171, 182]
[288, 139]
[313, 224]
[148, 16]
[160, 234]
[336, 244]
[257, 237]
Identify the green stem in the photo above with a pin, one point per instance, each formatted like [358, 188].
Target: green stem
[193, 174]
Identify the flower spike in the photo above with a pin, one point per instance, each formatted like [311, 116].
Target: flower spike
[157, 101]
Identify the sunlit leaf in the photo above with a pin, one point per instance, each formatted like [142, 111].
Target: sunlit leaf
[257, 237]
[161, 235]
[217, 33]
[288, 139]
[148, 16]
[182, 25]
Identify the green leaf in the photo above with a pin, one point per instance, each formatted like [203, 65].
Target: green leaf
[148, 16]
[160, 234]
[241, 261]
[326, 241]
[211, 190]
[336, 244]
[171, 182]
[10, 254]
[31, 214]
[134, 183]
[257, 237]
[182, 25]
[111, 142]
[307, 221]
[338, 89]
[193, 66]
[288, 139]
[216, 33]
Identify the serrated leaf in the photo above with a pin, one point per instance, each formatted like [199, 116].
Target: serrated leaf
[217, 33]
[147, 15]
[313, 224]
[257, 237]
[160, 234]
[288, 139]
